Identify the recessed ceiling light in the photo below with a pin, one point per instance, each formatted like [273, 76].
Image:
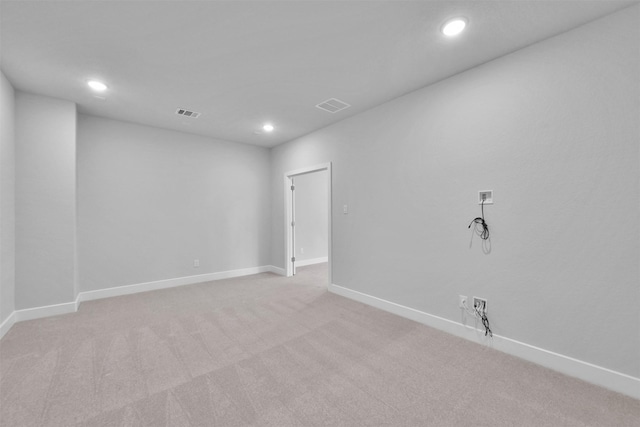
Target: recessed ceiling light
[268, 127]
[97, 86]
[454, 26]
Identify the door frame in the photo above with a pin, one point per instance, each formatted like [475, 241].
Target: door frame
[288, 245]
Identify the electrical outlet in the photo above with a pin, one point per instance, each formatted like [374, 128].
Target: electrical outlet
[196, 263]
[462, 301]
[480, 304]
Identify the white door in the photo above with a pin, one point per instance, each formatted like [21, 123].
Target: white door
[293, 225]
[290, 216]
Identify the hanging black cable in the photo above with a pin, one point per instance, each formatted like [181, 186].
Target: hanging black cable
[481, 313]
[481, 226]
[487, 329]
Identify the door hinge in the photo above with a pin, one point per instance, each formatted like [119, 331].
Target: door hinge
[293, 259]
[293, 223]
[293, 187]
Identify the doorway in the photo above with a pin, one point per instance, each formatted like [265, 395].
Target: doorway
[293, 251]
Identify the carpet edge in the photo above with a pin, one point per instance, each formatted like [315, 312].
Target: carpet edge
[594, 374]
[72, 306]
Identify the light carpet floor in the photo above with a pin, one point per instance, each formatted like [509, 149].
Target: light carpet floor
[265, 350]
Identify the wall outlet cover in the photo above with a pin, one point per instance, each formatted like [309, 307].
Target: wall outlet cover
[487, 196]
[481, 303]
[462, 301]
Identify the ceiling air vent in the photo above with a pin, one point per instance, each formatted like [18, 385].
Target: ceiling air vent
[333, 105]
[187, 113]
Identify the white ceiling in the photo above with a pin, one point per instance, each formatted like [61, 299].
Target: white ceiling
[241, 63]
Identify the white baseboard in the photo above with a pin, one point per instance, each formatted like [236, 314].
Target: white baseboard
[616, 381]
[168, 283]
[302, 263]
[46, 311]
[72, 307]
[277, 270]
[7, 323]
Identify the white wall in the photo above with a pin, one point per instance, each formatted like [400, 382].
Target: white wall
[311, 216]
[7, 198]
[45, 201]
[553, 130]
[150, 201]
